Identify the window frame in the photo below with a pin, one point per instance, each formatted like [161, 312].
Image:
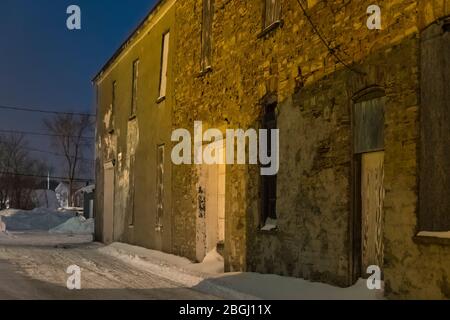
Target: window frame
[160, 194]
[206, 36]
[134, 87]
[269, 184]
[164, 66]
[276, 20]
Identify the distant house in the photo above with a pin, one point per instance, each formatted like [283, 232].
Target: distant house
[62, 194]
[45, 199]
[84, 198]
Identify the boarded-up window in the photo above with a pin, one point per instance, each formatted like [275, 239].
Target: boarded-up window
[113, 103]
[272, 12]
[134, 93]
[434, 191]
[269, 183]
[368, 124]
[207, 21]
[131, 191]
[164, 65]
[160, 187]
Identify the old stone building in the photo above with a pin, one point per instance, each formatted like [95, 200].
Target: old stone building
[135, 100]
[364, 139]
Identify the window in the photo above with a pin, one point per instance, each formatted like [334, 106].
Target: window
[113, 104]
[269, 183]
[131, 193]
[208, 15]
[160, 188]
[113, 94]
[134, 92]
[369, 124]
[164, 65]
[272, 13]
[434, 177]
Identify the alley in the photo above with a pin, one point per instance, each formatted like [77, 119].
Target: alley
[29, 270]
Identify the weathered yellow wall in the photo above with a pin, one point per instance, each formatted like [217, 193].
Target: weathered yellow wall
[140, 136]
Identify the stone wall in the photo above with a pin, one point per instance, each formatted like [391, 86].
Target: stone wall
[314, 86]
[314, 92]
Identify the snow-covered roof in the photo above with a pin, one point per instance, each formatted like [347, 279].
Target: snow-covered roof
[87, 189]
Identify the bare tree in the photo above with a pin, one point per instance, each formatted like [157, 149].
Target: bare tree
[71, 137]
[20, 174]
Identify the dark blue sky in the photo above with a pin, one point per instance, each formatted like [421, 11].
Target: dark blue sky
[43, 64]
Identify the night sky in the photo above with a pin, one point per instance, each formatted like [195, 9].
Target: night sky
[44, 65]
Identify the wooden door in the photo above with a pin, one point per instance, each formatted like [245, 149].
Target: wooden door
[372, 198]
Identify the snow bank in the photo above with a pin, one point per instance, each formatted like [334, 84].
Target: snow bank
[43, 239]
[238, 286]
[75, 225]
[212, 264]
[173, 268]
[40, 219]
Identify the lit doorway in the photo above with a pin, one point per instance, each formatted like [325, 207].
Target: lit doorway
[211, 208]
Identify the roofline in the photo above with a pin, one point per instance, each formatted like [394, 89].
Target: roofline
[127, 40]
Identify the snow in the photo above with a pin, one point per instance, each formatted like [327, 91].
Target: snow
[42, 239]
[37, 219]
[204, 278]
[170, 267]
[75, 225]
[87, 189]
[212, 264]
[442, 235]
[271, 224]
[42, 219]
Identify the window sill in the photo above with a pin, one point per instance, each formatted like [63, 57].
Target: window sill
[438, 238]
[132, 117]
[204, 72]
[270, 28]
[268, 232]
[160, 99]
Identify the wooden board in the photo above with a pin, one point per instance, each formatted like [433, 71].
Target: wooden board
[372, 199]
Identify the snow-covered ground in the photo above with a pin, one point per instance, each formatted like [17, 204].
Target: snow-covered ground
[33, 266]
[44, 219]
[43, 239]
[30, 272]
[45, 236]
[208, 277]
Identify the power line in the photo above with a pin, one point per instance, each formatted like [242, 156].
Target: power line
[325, 41]
[43, 177]
[37, 110]
[58, 154]
[43, 134]
[53, 153]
